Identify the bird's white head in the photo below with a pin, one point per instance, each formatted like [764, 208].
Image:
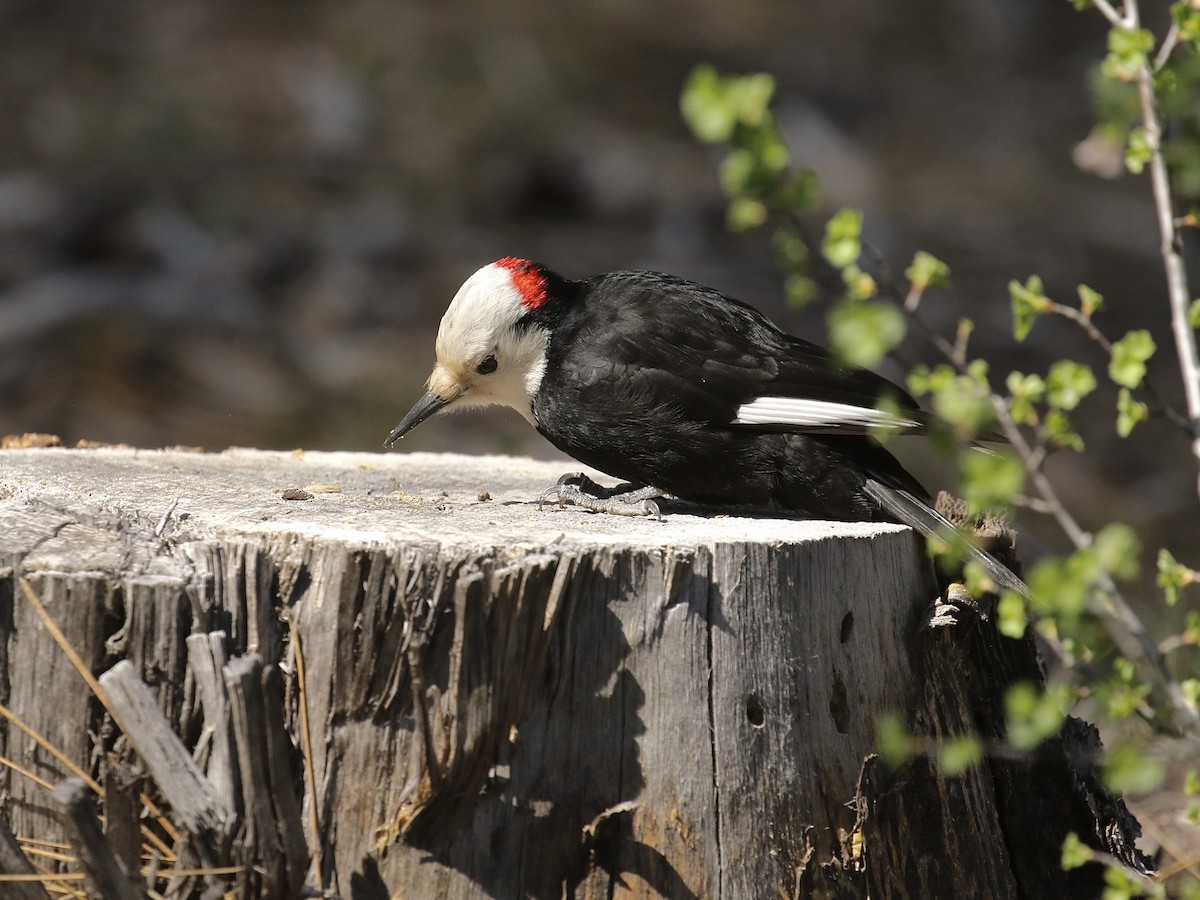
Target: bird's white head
[483, 358]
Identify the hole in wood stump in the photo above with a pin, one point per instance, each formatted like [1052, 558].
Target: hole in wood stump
[847, 627]
[754, 712]
[839, 704]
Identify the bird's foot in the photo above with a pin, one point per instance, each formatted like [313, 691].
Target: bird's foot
[577, 489]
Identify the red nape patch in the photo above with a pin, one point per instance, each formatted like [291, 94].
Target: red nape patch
[529, 278]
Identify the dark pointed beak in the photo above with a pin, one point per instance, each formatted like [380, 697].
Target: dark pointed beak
[424, 408]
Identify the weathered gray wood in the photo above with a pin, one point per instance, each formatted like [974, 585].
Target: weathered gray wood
[13, 861]
[505, 702]
[78, 809]
[215, 753]
[271, 845]
[187, 791]
[828, 633]
[122, 815]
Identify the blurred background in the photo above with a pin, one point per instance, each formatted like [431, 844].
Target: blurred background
[239, 223]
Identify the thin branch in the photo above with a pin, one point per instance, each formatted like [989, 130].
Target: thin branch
[1170, 42]
[1033, 504]
[1158, 403]
[1131, 638]
[1128, 20]
[1173, 264]
[1084, 322]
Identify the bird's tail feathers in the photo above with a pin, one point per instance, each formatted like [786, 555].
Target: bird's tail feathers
[911, 511]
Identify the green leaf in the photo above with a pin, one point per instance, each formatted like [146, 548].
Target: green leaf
[799, 192]
[1190, 687]
[1191, 783]
[704, 105]
[1128, 53]
[1130, 770]
[1031, 715]
[1024, 391]
[755, 164]
[859, 285]
[1118, 885]
[737, 171]
[893, 742]
[1173, 576]
[750, 97]
[1010, 612]
[1194, 313]
[745, 213]
[1075, 853]
[1029, 301]
[960, 400]
[1089, 300]
[1127, 367]
[890, 404]
[1129, 412]
[1120, 700]
[1068, 383]
[959, 754]
[863, 332]
[1186, 17]
[927, 271]
[800, 290]
[921, 379]
[1115, 548]
[714, 105]
[842, 244]
[791, 252]
[990, 480]
[1137, 151]
[1060, 585]
[1061, 433]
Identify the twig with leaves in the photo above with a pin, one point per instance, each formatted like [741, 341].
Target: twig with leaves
[1077, 599]
[1129, 61]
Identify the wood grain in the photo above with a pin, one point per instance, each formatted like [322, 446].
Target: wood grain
[506, 701]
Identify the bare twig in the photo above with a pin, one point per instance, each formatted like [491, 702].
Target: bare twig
[1170, 245]
[1111, 13]
[1168, 47]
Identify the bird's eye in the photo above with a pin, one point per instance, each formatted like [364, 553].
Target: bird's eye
[488, 366]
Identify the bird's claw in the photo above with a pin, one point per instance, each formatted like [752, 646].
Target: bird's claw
[553, 491]
[577, 489]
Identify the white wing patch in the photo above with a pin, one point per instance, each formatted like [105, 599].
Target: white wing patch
[803, 413]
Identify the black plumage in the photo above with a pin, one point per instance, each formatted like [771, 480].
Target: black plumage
[676, 387]
[645, 374]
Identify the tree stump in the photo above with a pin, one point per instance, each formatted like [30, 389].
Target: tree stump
[395, 675]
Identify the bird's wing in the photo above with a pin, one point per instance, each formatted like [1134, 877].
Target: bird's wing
[721, 362]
